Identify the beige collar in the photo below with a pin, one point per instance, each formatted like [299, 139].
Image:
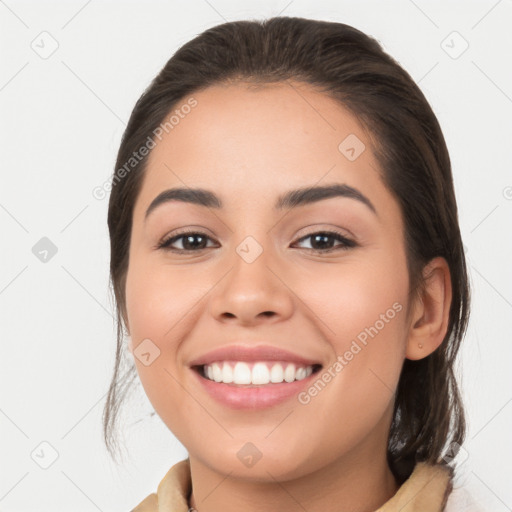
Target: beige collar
[426, 490]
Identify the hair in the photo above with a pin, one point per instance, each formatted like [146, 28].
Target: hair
[409, 146]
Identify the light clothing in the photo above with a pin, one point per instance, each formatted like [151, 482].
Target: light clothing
[427, 489]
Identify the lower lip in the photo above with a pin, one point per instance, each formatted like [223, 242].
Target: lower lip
[256, 396]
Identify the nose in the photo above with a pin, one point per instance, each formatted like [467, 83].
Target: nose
[252, 293]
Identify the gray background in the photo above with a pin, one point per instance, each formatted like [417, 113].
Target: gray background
[70, 75]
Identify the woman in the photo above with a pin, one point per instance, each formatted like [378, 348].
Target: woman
[287, 262]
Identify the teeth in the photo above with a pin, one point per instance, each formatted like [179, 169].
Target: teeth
[261, 372]
[276, 373]
[217, 373]
[227, 374]
[241, 373]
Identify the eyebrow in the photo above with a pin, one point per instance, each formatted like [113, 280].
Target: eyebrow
[288, 200]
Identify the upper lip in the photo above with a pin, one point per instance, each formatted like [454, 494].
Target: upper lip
[252, 353]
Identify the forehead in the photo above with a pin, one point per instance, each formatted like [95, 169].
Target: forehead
[280, 118]
[252, 141]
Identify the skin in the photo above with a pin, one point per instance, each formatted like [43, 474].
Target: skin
[249, 145]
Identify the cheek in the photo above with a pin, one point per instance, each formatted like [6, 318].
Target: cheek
[156, 298]
[351, 298]
[361, 312]
[162, 306]
[149, 311]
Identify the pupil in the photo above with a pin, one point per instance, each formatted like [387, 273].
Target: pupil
[322, 237]
[189, 245]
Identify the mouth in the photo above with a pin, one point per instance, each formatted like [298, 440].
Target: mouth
[254, 386]
[255, 374]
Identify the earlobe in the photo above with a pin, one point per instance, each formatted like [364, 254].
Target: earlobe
[429, 322]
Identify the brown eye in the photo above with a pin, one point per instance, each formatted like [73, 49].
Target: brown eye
[191, 241]
[322, 241]
[194, 241]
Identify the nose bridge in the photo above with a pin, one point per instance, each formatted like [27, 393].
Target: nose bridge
[250, 263]
[251, 237]
[251, 286]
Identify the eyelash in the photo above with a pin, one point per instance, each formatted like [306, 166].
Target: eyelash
[347, 244]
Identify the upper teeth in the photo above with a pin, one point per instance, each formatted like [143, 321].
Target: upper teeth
[260, 373]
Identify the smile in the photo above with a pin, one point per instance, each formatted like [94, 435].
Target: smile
[255, 373]
[254, 385]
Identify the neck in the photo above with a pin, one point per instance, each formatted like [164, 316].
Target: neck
[342, 486]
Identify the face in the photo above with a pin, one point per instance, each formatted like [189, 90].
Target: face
[325, 280]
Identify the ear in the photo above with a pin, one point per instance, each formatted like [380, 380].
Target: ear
[431, 311]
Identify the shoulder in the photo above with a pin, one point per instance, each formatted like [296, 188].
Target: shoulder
[149, 504]
[426, 490]
[172, 493]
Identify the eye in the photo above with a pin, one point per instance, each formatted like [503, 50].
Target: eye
[194, 241]
[322, 241]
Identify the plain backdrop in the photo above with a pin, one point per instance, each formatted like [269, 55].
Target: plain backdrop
[70, 75]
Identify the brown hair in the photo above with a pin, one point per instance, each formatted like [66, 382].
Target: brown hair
[351, 67]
